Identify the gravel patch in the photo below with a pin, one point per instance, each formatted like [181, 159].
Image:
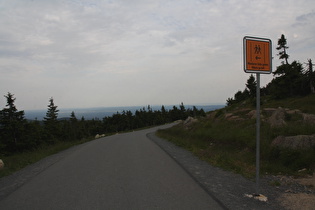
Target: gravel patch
[227, 187]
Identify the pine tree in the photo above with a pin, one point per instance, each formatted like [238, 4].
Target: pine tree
[290, 83]
[282, 46]
[11, 125]
[251, 86]
[75, 131]
[73, 118]
[50, 121]
[311, 75]
[52, 112]
[183, 114]
[289, 80]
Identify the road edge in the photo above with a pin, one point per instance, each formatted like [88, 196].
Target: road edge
[153, 138]
[229, 188]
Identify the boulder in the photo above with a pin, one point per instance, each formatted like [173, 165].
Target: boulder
[1, 164]
[269, 111]
[309, 118]
[235, 118]
[97, 136]
[295, 142]
[231, 117]
[189, 121]
[228, 115]
[277, 118]
[252, 114]
[294, 111]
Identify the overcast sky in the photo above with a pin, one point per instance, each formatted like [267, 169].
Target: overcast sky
[139, 52]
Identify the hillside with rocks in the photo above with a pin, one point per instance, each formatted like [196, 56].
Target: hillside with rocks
[278, 117]
[226, 138]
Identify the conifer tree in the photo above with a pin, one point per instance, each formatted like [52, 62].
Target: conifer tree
[11, 125]
[50, 121]
[311, 76]
[52, 112]
[74, 127]
[251, 86]
[73, 118]
[282, 46]
[183, 114]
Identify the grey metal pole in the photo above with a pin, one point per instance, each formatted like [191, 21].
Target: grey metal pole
[257, 131]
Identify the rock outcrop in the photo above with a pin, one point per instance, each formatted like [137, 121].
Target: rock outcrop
[189, 122]
[1, 164]
[295, 142]
[308, 118]
[277, 118]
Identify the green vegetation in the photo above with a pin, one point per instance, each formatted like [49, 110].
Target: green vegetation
[220, 143]
[227, 137]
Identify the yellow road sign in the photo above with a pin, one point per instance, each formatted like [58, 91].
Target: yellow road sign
[257, 55]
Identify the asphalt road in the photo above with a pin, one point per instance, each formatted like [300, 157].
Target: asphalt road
[123, 171]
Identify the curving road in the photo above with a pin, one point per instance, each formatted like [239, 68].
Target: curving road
[123, 171]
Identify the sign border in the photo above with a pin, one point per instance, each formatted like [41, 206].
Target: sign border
[245, 57]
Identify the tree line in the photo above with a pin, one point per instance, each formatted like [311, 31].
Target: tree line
[18, 134]
[290, 79]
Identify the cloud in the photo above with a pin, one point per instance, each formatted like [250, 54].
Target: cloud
[115, 53]
[306, 17]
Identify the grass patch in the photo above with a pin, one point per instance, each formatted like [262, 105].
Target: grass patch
[16, 162]
[221, 144]
[231, 145]
[275, 183]
[305, 104]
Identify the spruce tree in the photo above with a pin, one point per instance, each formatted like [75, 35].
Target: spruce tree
[251, 86]
[311, 76]
[289, 80]
[73, 118]
[52, 112]
[11, 125]
[50, 121]
[282, 46]
[74, 127]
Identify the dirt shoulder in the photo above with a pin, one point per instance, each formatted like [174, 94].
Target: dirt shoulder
[295, 200]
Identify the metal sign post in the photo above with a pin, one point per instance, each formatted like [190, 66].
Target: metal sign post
[257, 59]
[257, 131]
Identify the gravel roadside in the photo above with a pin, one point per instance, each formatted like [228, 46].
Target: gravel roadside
[229, 188]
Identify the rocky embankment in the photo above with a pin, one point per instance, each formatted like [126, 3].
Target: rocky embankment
[278, 117]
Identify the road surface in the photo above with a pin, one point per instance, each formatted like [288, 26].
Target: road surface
[123, 171]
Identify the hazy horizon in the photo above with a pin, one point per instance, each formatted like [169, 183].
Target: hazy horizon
[100, 112]
[154, 105]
